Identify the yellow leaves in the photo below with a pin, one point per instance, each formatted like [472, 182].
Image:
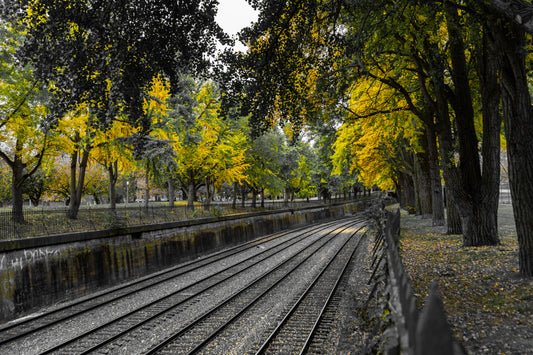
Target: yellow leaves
[475, 283]
[204, 144]
[379, 127]
[365, 148]
[155, 104]
[106, 148]
[36, 14]
[74, 30]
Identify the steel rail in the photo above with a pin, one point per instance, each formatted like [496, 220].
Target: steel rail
[307, 343]
[167, 309]
[181, 269]
[170, 339]
[288, 315]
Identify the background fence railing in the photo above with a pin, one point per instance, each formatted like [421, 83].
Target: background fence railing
[418, 332]
[47, 221]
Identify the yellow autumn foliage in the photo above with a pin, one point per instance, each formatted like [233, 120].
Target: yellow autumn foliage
[369, 141]
[216, 151]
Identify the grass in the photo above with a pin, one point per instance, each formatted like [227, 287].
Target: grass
[46, 220]
[52, 220]
[489, 305]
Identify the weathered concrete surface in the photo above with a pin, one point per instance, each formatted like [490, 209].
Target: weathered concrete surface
[36, 272]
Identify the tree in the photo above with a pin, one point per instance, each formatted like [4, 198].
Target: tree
[35, 186]
[303, 184]
[160, 160]
[437, 41]
[111, 152]
[509, 42]
[288, 171]
[325, 136]
[76, 137]
[506, 24]
[263, 159]
[211, 150]
[116, 48]
[288, 53]
[113, 50]
[24, 137]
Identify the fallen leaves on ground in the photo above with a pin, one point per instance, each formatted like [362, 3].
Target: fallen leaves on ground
[489, 305]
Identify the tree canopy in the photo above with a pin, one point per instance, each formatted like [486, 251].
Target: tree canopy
[402, 94]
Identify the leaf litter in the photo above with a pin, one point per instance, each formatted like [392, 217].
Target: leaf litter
[489, 305]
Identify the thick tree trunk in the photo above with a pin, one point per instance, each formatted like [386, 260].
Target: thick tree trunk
[452, 217]
[443, 128]
[465, 187]
[489, 198]
[254, 197]
[518, 122]
[76, 185]
[112, 171]
[465, 181]
[190, 195]
[424, 204]
[437, 201]
[16, 190]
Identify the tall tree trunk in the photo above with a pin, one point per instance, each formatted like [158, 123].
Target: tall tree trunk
[234, 202]
[452, 217]
[190, 195]
[416, 184]
[406, 192]
[424, 204]
[262, 197]
[467, 185]
[112, 171]
[16, 190]
[76, 185]
[254, 197]
[437, 201]
[465, 181]
[518, 123]
[488, 67]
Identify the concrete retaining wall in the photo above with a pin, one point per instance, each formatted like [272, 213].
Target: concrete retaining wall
[36, 272]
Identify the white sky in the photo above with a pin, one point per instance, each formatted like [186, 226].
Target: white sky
[233, 15]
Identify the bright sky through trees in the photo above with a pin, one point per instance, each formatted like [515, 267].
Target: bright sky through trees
[233, 15]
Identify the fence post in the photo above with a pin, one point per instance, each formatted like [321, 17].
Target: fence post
[433, 334]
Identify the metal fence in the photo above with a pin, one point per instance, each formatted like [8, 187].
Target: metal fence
[47, 221]
[418, 332]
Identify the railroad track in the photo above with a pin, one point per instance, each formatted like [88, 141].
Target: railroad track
[294, 333]
[41, 321]
[186, 341]
[184, 308]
